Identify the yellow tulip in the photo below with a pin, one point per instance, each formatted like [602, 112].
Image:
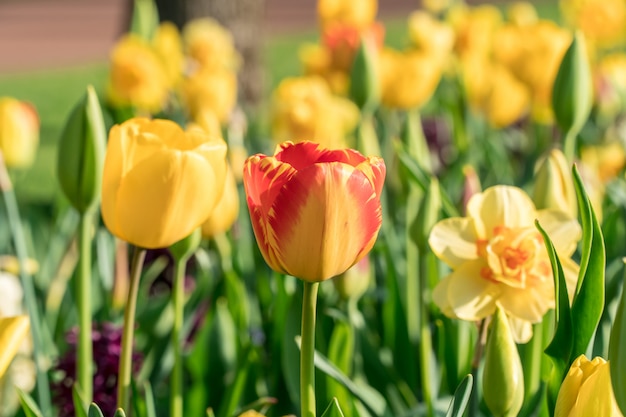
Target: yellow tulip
[19, 132]
[356, 13]
[429, 34]
[603, 22]
[214, 90]
[408, 79]
[522, 13]
[315, 212]
[159, 182]
[498, 257]
[474, 27]
[226, 211]
[210, 45]
[138, 78]
[508, 99]
[13, 331]
[586, 390]
[168, 45]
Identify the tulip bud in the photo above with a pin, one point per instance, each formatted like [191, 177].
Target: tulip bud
[617, 354]
[428, 215]
[364, 86]
[572, 94]
[503, 377]
[354, 282]
[19, 132]
[81, 153]
[185, 247]
[554, 184]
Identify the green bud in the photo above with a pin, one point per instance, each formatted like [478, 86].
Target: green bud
[185, 247]
[364, 86]
[554, 184]
[427, 215]
[81, 153]
[617, 353]
[572, 94]
[503, 377]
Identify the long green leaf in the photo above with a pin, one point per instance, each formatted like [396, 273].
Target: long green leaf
[333, 409]
[461, 397]
[560, 348]
[588, 301]
[29, 406]
[79, 402]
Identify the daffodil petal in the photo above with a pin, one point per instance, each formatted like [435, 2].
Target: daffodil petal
[529, 304]
[453, 240]
[471, 296]
[13, 330]
[521, 330]
[564, 231]
[324, 220]
[501, 205]
[440, 297]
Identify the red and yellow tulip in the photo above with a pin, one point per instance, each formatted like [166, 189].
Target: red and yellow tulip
[315, 212]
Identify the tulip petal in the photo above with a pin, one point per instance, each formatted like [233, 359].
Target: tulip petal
[324, 220]
[374, 168]
[500, 205]
[568, 393]
[564, 231]
[164, 198]
[13, 330]
[471, 296]
[453, 240]
[595, 393]
[303, 154]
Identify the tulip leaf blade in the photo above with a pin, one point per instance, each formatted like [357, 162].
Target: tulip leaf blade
[333, 409]
[29, 406]
[94, 411]
[560, 347]
[461, 397]
[80, 407]
[588, 303]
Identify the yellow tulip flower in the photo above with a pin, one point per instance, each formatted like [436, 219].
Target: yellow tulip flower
[603, 22]
[315, 212]
[226, 211]
[159, 182]
[19, 132]
[586, 390]
[169, 47]
[214, 90]
[498, 257]
[210, 45]
[356, 13]
[138, 77]
[13, 331]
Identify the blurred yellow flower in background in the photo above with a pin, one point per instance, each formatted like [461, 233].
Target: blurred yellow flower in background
[168, 45]
[138, 77]
[356, 13]
[521, 13]
[430, 35]
[474, 27]
[211, 89]
[603, 22]
[586, 390]
[305, 109]
[19, 132]
[408, 79]
[607, 159]
[210, 45]
[13, 331]
[497, 256]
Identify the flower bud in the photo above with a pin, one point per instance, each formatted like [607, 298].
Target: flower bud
[617, 354]
[19, 132]
[364, 86]
[554, 184]
[354, 282]
[572, 94]
[503, 377]
[81, 153]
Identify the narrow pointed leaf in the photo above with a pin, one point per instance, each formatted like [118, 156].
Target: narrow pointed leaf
[333, 409]
[79, 402]
[461, 397]
[29, 406]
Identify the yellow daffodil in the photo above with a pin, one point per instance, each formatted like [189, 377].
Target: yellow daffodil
[19, 132]
[315, 212]
[214, 90]
[305, 109]
[499, 257]
[210, 45]
[586, 390]
[13, 331]
[159, 182]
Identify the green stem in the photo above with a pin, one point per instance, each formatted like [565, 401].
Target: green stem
[366, 136]
[478, 355]
[19, 242]
[532, 354]
[84, 359]
[569, 146]
[425, 345]
[126, 359]
[307, 350]
[178, 298]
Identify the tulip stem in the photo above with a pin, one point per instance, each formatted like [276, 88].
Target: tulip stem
[178, 299]
[84, 352]
[425, 345]
[569, 146]
[126, 359]
[30, 296]
[307, 350]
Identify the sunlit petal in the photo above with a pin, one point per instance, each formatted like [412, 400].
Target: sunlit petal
[454, 241]
[471, 296]
[500, 205]
[564, 232]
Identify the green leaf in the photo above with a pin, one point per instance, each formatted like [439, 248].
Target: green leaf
[333, 409]
[461, 397]
[560, 348]
[341, 353]
[149, 398]
[119, 413]
[94, 411]
[79, 402]
[29, 406]
[588, 301]
[145, 19]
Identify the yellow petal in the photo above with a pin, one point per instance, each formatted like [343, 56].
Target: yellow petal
[568, 393]
[528, 304]
[500, 205]
[564, 231]
[521, 330]
[454, 241]
[594, 397]
[13, 330]
[471, 296]
[440, 297]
